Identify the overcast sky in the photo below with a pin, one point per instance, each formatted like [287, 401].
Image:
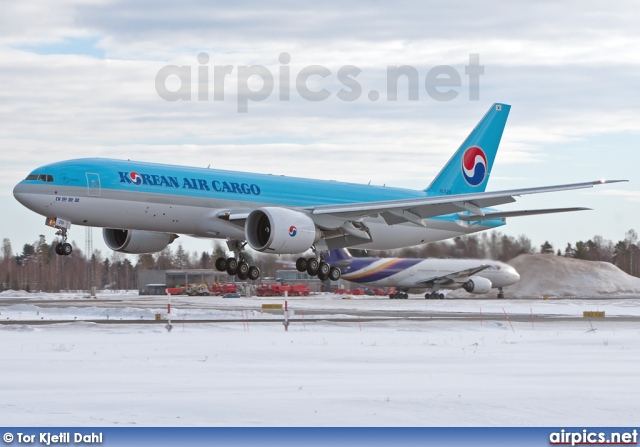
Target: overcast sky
[78, 79]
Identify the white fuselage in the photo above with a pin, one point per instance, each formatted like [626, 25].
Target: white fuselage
[427, 273]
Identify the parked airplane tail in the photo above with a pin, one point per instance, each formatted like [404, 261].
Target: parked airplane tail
[335, 256]
[469, 169]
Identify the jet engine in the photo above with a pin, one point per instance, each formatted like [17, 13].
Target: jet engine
[478, 285]
[280, 231]
[136, 241]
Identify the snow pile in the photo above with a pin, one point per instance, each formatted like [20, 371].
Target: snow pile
[557, 276]
[14, 293]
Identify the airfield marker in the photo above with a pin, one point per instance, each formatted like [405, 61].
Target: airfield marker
[286, 316]
[169, 326]
[505, 312]
[245, 320]
[532, 318]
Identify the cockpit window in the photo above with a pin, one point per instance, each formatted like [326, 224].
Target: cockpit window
[48, 178]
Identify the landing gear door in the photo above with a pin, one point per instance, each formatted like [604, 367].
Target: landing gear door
[93, 184]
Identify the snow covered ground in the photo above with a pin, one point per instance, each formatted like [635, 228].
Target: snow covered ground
[473, 372]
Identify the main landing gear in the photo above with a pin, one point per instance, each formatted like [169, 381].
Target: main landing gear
[434, 296]
[63, 248]
[238, 266]
[319, 268]
[399, 295]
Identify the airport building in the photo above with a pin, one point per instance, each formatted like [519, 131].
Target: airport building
[154, 282]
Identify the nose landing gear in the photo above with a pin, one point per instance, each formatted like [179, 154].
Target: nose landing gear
[62, 225]
[63, 248]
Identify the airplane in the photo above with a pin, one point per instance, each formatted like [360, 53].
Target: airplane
[142, 207]
[477, 276]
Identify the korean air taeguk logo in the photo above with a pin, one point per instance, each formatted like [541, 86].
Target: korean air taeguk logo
[135, 178]
[474, 165]
[292, 231]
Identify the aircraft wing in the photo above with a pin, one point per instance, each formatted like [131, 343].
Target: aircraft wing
[505, 214]
[414, 210]
[455, 277]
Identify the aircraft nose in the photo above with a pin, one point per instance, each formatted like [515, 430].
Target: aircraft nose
[23, 194]
[514, 275]
[20, 193]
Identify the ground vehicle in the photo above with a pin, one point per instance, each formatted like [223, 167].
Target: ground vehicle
[189, 289]
[273, 290]
[262, 290]
[299, 289]
[174, 290]
[280, 289]
[231, 295]
[197, 290]
[221, 289]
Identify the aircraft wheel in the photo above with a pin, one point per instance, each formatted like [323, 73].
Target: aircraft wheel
[242, 276]
[232, 266]
[58, 249]
[501, 295]
[221, 264]
[66, 249]
[254, 273]
[312, 266]
[301, 264]
[243, 268]
[441, 296]
[334, 273]
[324, 269]
[322, 276]
[405, 296]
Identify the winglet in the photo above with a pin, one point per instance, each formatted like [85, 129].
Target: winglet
[603, 181]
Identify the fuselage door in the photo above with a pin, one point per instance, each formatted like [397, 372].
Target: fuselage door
[93, 184]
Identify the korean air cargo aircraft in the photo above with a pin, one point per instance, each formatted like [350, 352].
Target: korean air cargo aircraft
[476, 276]
[142, 207]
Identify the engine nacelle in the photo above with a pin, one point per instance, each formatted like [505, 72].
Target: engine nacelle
[478, 285]
[136, 241]
[280, 230]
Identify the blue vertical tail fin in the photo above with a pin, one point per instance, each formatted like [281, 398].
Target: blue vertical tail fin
[469, 169]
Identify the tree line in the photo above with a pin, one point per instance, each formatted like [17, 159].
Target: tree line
[37, 267]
